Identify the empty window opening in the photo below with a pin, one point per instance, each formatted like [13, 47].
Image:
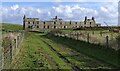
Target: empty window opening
[37, 26]
[54, 22]
[44, 26]
[44, 22]
[37, 22]
[48, 27]
[64, 26]
[28, 22]
[54, 27]
[29, 26]
[75, 22]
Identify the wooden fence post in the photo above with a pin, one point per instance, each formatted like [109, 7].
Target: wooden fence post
[80, 35]
[118, 42]
[11, 52]
[118, 45]
[73, 35]
[17, 41]
[101, 33]
[77, 35]
[93, 32]
[88, 37]
[70, 34]
[107, 42]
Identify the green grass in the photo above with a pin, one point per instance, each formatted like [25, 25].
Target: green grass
[55, 57]
[102, 53]
[95, 36]
[14, 27]
[96, 31]
[80, 60]
[30, 56]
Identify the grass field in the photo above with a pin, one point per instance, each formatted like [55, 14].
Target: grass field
[14, 27]
[95, 36]
[35, 51]
[40, 51]
[8, 28]
[100, 52]
[36, 54]
[77, 58]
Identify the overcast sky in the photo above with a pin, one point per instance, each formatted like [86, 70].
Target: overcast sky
[107, 11]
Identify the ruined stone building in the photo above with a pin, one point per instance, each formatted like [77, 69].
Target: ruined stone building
[57, 23]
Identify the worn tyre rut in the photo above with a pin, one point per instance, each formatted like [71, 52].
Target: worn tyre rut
[73, 66]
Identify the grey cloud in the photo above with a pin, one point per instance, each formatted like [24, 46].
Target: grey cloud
[106, 13]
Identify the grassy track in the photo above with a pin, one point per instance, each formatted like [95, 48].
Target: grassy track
[36, 54]
[99, 52]
[77, 59]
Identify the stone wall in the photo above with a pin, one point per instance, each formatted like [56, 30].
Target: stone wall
[56, 25]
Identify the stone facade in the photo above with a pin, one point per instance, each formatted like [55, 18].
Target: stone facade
[56, 23]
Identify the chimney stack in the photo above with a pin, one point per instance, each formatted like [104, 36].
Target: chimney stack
[55, 17]
[93, 19]
[24, 17]
[85, 18]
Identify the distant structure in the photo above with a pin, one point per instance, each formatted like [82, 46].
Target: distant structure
[57, 23]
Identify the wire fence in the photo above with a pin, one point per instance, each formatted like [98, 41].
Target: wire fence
[102, 38]
[10, 47]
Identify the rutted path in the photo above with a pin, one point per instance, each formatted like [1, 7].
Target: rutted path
[35, 53]
[74, 67]
[37, 48]
[74, 58]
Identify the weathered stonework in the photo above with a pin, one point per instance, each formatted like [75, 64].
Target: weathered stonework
[56, 23]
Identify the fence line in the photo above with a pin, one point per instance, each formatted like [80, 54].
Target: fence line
[10, 48]
[102, 38]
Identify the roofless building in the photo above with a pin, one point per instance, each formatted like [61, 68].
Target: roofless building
[56, 23]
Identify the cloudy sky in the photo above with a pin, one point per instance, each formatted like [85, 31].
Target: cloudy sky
[12, 12]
